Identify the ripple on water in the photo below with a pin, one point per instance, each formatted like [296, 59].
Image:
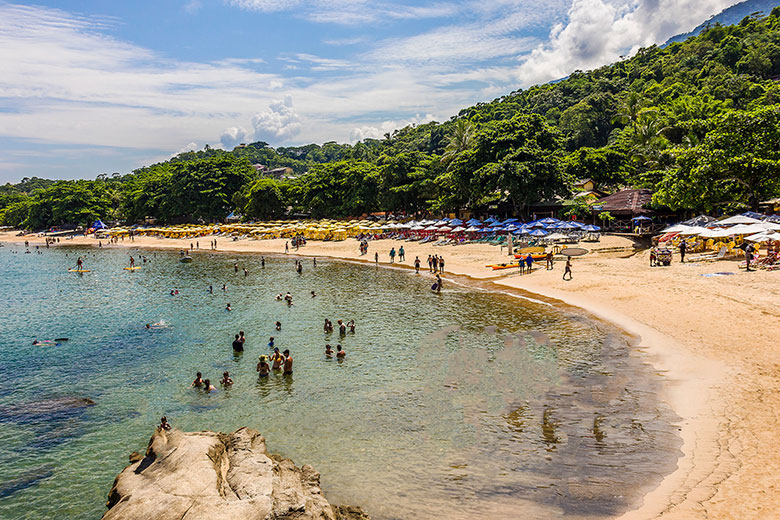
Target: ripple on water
[462, 404]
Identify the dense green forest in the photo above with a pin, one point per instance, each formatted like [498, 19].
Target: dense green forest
[698, 122]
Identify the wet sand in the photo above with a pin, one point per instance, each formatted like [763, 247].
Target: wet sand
[711, 337]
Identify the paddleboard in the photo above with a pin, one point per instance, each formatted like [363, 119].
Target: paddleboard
[132, 268]
[573, 251]
[79, 271]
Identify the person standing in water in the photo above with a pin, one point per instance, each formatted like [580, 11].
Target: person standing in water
[288, 363]
[262, 262]
[226, 379]
[328, 351]
[262, 366]
[198, 381]
[277, 359]
[238, 345]
[438, 283]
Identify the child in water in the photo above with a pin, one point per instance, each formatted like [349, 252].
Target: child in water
[262, 366]
[328, 351]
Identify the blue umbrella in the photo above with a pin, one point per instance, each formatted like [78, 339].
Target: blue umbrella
[510, 220]
[641, 218]
[537, 224]
[491, 220]
[474, 222]
[549, 220]
[538, 233]
[576, 224]
[591, 228]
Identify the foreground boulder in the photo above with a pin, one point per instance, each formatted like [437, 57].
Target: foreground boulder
[208, 476]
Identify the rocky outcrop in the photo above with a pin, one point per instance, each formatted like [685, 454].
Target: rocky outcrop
[208, 476]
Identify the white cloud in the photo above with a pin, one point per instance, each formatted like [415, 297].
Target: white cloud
[193, 6]
[279, 122]
[233, 136]
[189, 147]
[599, 31]
[351, 12]
[386, 127]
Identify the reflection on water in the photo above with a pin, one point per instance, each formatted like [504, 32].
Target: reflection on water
[459, 405]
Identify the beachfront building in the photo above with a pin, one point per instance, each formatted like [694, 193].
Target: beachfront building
[625, 205]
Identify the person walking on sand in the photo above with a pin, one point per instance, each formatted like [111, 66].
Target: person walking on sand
[441, 264]
[392, 255]
[286, 247]
[549, 260]
[683, 250]
[430, 264]
[376, 257]
[529, 262]
[567, 269]
[748, 256]
[401, 254]
[417, 264]
[435, 260]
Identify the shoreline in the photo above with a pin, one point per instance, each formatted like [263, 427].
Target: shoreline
[694, 384]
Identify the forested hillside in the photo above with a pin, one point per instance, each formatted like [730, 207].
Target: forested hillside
[697, 121]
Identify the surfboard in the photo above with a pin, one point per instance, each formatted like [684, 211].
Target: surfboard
[132, 268]
[574, 251]
[79, 271]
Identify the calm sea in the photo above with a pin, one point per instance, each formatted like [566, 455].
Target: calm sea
[455, 405]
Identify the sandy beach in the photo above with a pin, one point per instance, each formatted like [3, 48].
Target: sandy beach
[710, 336]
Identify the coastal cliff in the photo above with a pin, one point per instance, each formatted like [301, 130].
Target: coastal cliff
[207, 475]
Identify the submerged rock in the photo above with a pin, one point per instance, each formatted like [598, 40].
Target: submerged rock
[208, 475]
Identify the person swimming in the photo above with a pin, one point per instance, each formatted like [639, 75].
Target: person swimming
[328, 351]
[198, 381]
[313, 295]
[279, 297]
[278, 325]
[226, 379]
[208, 387]
[271, 342]
[340, 353]
[262, 366]
[227, 308]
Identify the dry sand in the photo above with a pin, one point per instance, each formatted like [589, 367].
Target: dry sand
[713, 339]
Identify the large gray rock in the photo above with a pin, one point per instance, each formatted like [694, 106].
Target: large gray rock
[208, 476]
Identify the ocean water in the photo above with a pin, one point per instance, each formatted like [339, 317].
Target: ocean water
[458, 405]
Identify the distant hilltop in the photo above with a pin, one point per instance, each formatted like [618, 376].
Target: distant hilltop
[729, 16]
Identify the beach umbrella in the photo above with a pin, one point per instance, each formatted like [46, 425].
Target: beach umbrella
[549, 220]
[474, 222]
[537, 224]
[641, 218]
[753, 214]
[456, 222]
[459, 229]
[763, 237]
[737, 219]
[677, 228]
[510, 221]
[445, 229]
[538, 233]
[567, 225]
[496, 225]
[591, 228]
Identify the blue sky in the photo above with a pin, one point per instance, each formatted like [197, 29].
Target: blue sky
[92, 87]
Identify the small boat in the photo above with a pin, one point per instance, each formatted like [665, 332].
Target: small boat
[185, 259]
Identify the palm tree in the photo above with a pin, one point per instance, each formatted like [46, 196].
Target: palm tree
[460, 140]
[630, 110]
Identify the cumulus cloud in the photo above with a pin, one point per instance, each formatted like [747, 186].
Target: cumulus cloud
[233, 136]
[385, 127]
[600, 31]
[189, 147]
[279, 122]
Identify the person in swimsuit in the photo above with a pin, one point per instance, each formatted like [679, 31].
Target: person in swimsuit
[198, 381]
[340, 353]
[288, 363]
[567, 269]
[417, 264]
[342, 328]
[328, 351]
[351, 325]
[277, 359]
[271, 342]
[226, 379]
[79, 264]
[208, 387]
[262, 366]
[327, 327]
[238, 345]
[132, 262]
[164, 424]
[313, 295]
[278, 325]
[227, 308]
[241, 337]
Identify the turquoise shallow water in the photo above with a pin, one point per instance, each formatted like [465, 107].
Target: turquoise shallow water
[454, 405]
